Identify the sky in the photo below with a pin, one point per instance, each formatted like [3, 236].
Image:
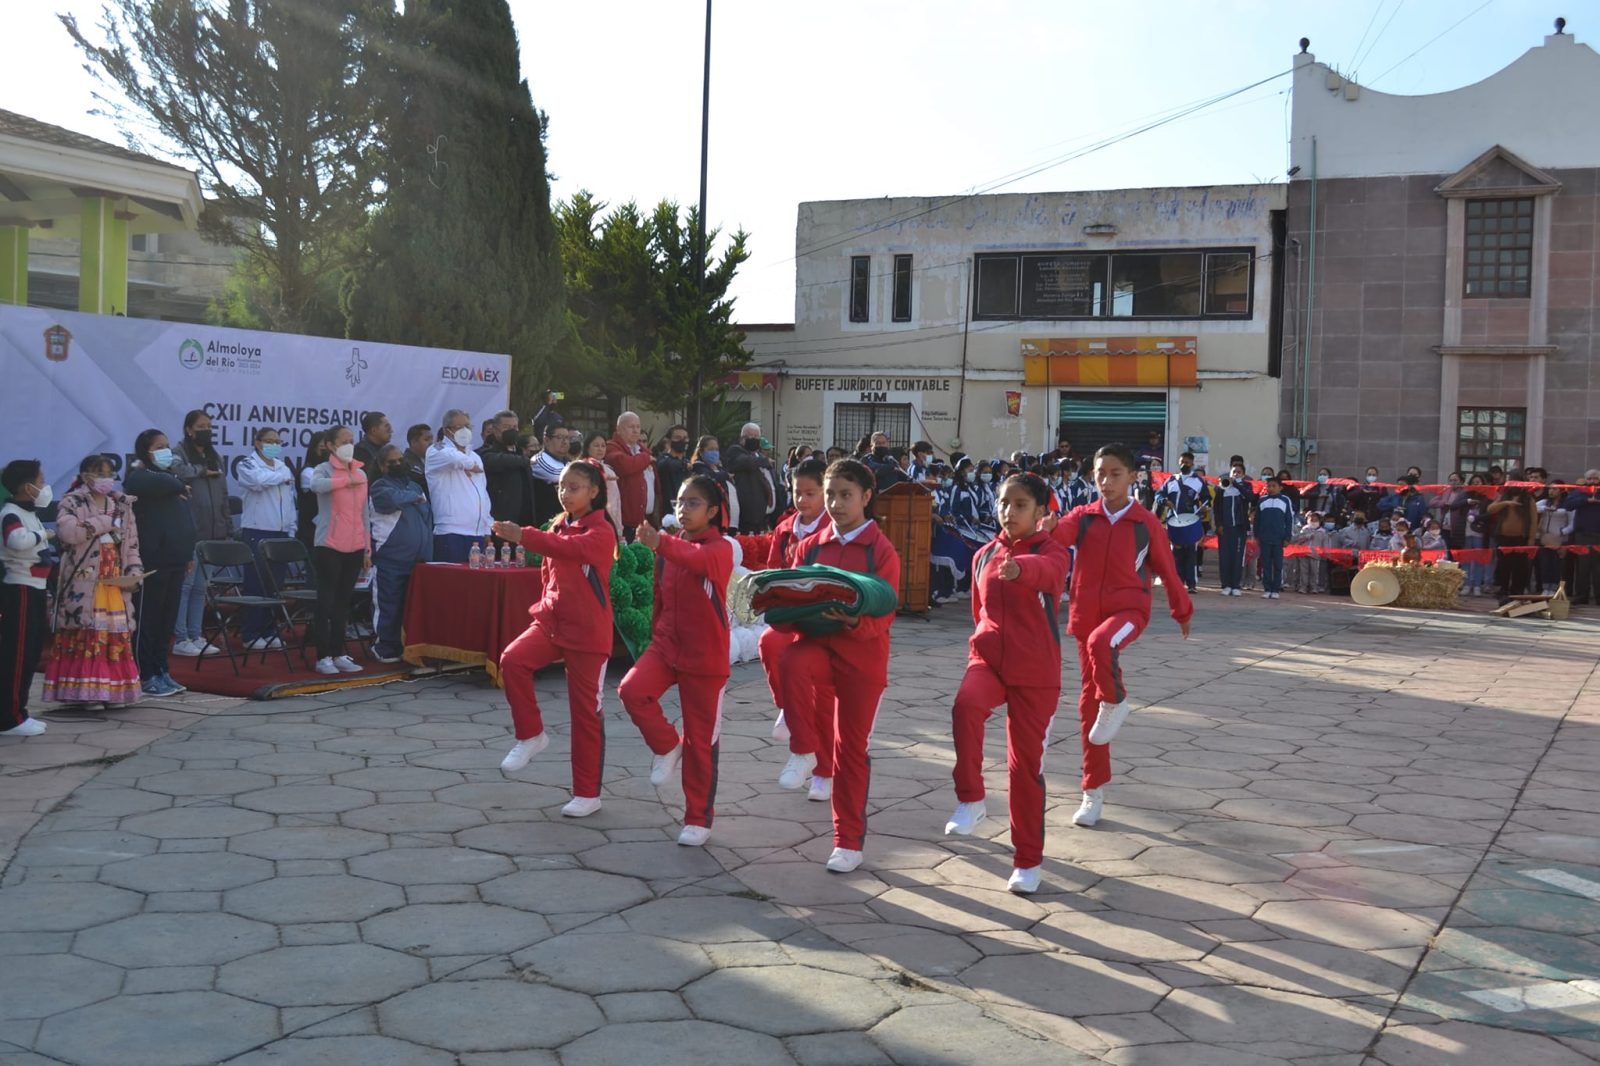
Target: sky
[853, 99]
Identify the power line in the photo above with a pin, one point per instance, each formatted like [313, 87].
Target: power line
[1430, 42]
[1017, 176]
[1356, 54]
[1373, 46]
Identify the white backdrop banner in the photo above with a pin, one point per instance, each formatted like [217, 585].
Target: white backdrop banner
[75, 384]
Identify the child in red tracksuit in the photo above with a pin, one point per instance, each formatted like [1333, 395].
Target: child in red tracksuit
[813, 737]
[854, 660]
[1015, 659]
[1118, 544]
[688, 648]
[571, 621]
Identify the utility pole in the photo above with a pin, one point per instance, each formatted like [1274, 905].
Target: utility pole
[700, 234]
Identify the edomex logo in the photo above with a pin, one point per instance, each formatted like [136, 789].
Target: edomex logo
[190, 354]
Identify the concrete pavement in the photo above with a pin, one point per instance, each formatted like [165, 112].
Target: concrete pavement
[1337, 837]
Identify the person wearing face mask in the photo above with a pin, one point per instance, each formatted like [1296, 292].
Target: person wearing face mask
[92, 658]
[707, 460]
[267, 485]
[672, 463]
[508, 477]
[1449, 509]
[1235, 505]
[752, 480]
[166, 547]
[23, 540]
[344, 548]
[1185, 494]
[1309, 573]
[879, 458]
[199, 467]
[402, 537]
[1326, 498]
[462, 515]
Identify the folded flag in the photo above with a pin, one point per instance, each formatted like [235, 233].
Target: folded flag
[800, 597]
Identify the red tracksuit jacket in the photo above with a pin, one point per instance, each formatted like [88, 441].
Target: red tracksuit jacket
[1018, 633]
[576, 606]
[869, 553]
[1111, 572]
[783, 549]
[689, 618]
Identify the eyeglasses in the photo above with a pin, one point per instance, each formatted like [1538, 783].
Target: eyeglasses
[689, 503]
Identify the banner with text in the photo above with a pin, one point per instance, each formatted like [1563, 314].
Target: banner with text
[77, 384]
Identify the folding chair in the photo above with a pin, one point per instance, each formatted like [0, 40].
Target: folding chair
[299, 592]
[223, 563]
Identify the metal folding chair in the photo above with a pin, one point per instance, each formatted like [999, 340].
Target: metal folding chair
[298, 588]
[222, 566]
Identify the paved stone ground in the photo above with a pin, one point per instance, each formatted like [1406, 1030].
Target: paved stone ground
[1338, 837]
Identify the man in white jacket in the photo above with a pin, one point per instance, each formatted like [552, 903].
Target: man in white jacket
[267, 484]
[458, 490]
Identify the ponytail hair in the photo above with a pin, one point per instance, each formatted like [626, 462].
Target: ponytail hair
[855, 472]
[712, 491]
[596, 475]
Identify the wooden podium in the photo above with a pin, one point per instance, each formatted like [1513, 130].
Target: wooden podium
[905, 512]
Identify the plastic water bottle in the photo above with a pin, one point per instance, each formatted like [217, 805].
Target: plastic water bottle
[502, 555]
[522, 556]
[475, 556]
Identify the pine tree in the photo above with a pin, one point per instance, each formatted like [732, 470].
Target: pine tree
[463, 254]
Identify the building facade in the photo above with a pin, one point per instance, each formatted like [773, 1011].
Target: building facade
[998, 323]
[1442, 274]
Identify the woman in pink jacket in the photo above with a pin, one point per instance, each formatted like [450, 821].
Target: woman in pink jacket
[343, 548]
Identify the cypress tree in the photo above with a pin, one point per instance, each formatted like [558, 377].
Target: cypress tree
[463, 253]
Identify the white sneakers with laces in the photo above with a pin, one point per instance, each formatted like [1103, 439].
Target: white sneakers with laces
[968, 816]
[1109, 721]
[1088, 813]
[843, 860]
[821, 790]
[29, 727]
[524, 750]
[694, 836]
[1024, 881]
[796, 771]
[347, 665]
[580, 806]
[325, 666]
[662, 767]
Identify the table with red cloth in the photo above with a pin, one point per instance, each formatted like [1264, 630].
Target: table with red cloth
[462, 615]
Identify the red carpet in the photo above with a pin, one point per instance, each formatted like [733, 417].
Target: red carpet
[272, 680]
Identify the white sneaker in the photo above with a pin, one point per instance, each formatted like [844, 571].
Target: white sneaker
[1277, 595]
[1088, 812]
[1266, 595]
[29, 727]
[796, 770]
[325, 666]
[1237, 592]
[843, 860]
[186, 648]
[821, 790]
[694, 836]
[968, 817]
[1109, 721]
[264, 644]
[662, 767]
[201, 647]
[580, 806]
[347, 665]
[780, 728]
[1024, 882]
[523, 750]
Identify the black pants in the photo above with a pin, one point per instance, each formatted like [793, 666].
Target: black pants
[1511, 573]
[1188, 564]
[156, 604]
[21, 642]
[1586, 573]
[336, 581]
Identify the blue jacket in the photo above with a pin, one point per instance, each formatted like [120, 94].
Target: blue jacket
[1414, 507]
[1585, 508]
[1274, 519]
[1233, 512]
[164, 518]
[410, 541]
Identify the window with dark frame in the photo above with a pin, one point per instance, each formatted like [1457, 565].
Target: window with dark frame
[1198, 283]
[852, 421]
[860, 287]
[902, 289]
[1490, 436]
[1499, 237]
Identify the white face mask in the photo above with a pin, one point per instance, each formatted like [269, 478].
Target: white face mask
[462, 437]
[345, 452]
[46, 494]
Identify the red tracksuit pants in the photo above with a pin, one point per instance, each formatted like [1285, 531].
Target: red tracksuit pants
[806, 737]
[1029, 712]
[700, 696]
[1098, 664]
[857, 672]
[586, 676]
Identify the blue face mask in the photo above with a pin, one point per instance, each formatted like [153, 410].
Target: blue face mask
[985, 478]
[272, 451]
[944, 483]
[1328, 526]
[162, 457]
[712, 456]
[971, 477]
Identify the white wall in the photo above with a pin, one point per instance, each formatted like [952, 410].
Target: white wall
[1543, 102]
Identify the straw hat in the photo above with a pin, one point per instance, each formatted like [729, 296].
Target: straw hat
[1375, 586]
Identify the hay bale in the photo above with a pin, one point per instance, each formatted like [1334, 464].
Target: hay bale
[1430, 587]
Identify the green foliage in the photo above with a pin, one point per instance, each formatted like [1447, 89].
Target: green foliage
[464, 253]
[639, 324]
[249, 300]
[271, 102]
[632, 593]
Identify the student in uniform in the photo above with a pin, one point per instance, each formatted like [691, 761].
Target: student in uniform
[1014, 658]
[814, 737]
[1235, 501]
[1117, 545]
[1185, 494]
[854, 660]
[688, 648]
[23, 540]
[1274, 527]
[571, 621]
